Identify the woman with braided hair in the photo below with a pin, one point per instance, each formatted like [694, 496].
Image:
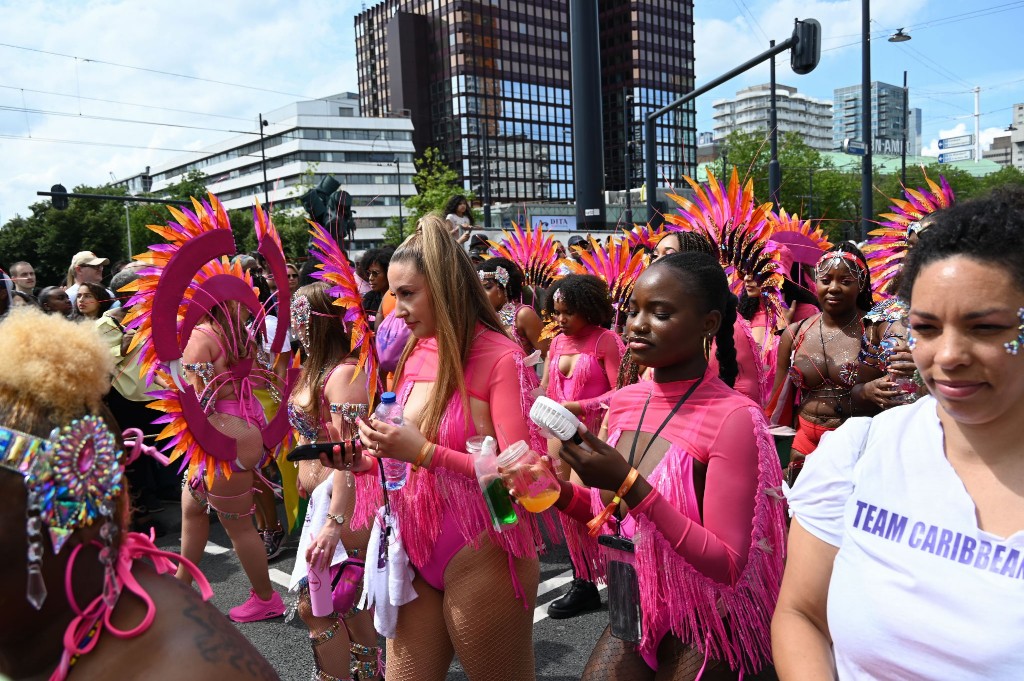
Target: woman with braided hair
[684, 483]
[503, 282]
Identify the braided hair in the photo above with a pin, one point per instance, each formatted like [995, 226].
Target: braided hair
[706, 281]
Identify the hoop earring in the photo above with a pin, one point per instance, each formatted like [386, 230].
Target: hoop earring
[707, 347]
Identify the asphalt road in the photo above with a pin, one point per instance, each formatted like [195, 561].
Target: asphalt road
[562, 646]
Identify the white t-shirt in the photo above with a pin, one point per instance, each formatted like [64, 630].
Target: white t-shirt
[461, 221]
[917, 590]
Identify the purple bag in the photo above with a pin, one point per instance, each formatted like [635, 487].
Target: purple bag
[392, 334]
[346, 580]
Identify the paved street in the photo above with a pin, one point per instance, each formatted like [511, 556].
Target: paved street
[562, 646]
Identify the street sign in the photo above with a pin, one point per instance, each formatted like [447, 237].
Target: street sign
[959, 141]
[854, 147]
[962, 155]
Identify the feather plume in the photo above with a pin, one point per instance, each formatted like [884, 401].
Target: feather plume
[616, 265]
[887, 248]
[335, 271]
[534, 253]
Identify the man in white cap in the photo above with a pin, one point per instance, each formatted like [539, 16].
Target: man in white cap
[86, 268]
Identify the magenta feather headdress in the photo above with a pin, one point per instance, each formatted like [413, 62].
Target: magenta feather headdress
[184, 282]
[336, 272]
[887, 247]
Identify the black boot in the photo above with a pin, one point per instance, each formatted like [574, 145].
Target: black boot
[582, 597]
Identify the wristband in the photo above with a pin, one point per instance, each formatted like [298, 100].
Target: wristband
[595, 525]
[424, 452]
[338, 518]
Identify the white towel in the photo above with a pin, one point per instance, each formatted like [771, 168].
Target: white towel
[316, 515]
[389, 585]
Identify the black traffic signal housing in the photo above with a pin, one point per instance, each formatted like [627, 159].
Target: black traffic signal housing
[804, 55]
[59, 200]
[317, 200]
[340, 222]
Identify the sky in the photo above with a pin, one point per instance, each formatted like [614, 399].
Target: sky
[94, 89]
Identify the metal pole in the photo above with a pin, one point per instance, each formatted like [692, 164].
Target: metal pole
[977, 124]
[401, 221]
[650, 146]
[487, 183]
[866, 207]
[810, 193]
[263, 153]
[587, 135]
[627, 108]
[774, 171]
[906, 123]
[128, 222]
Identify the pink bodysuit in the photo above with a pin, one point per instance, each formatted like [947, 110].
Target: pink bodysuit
[593, 378]
[441, 510]
[709, 569]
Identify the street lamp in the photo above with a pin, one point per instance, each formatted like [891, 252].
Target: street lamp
[627, 111]
[263, 154]
[866, 199]
[899, 37]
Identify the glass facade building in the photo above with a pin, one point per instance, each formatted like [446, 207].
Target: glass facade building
[488, 83]
[888, 120]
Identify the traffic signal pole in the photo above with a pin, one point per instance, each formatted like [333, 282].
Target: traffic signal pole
[808, 61]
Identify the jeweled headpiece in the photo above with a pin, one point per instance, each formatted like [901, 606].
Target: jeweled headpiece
[842, 259]
[72, 478]
[300, 319]
[500, 275]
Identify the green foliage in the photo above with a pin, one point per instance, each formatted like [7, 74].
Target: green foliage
[835, 199]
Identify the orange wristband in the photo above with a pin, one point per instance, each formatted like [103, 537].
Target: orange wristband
[598, 522]
[424, 453]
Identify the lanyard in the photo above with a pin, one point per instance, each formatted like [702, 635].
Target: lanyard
[636, 436]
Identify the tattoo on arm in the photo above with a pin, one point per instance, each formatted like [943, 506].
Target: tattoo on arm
[218, 644]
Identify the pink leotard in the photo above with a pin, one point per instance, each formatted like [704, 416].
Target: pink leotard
[593, 377]
[441, 510]
[709, 569]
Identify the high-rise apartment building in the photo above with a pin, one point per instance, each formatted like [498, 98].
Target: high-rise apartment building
[372, 158]
[1008, 149]
[750, 111]
[489, 85]
[888, 120]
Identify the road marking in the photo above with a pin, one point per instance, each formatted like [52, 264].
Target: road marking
[215, 549]
[553, 583]
[280, 577]
[541, 612]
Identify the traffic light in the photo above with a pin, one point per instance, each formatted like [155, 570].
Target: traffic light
[59, 200]
[317, 200]
[339, 215]
[804, 55]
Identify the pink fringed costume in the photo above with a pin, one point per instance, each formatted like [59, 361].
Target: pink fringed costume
[709, 570]
[443, 505]
[592, 380]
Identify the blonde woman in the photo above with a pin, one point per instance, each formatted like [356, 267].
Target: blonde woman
[460, 376]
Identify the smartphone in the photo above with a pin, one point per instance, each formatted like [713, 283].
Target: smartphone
[623, 588]
[312, 452]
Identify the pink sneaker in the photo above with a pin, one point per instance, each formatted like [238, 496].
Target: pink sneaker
[255, 609]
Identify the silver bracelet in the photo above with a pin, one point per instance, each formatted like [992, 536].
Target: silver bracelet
[340, 519]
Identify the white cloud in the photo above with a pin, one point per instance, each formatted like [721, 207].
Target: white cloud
[987, 135]
[305, 47]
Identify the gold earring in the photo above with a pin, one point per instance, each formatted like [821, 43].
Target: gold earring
[707, 347]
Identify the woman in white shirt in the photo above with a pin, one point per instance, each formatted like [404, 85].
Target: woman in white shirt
[906, 554]
[459, 217]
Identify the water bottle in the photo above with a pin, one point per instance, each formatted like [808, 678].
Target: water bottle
[395, 471]
[320, 590]
[485, 463]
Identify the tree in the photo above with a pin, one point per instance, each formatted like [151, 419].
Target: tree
[435, 184]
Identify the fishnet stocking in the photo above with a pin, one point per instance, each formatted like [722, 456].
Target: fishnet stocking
[477, 617]
[421, 649]
[311, 474]
[616, 660]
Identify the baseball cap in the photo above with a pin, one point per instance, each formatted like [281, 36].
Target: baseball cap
[576, 240]
[88, 258]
